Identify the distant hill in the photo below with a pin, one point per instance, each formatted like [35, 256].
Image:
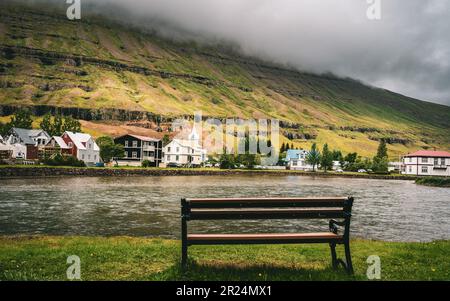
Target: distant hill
[95, 65]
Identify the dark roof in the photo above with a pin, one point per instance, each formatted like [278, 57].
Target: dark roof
[143, 138]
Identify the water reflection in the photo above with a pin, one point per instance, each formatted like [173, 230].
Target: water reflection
[149, 206]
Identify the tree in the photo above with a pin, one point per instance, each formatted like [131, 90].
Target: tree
[349, 161]
[227, 161]
[282, 148]
[382, 149]
[165, 140]
[313, 156]
[57, 126]
[109, 150]
[4, 128]
[71, 125]
[21, 119]
[380, 161]
[46, 124]
[326, 160]
[249, 160]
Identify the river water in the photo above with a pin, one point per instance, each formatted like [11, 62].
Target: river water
[149, 206]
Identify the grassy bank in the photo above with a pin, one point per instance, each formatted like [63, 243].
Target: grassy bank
[125, 258]
[434, 181]
[19, 171]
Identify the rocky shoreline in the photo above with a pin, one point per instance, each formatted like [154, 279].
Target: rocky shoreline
[31, 172]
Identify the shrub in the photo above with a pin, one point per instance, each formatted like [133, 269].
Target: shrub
[146, 163]
[59, 160]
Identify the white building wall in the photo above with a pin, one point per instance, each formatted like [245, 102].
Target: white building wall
[90, 156]
[175, 153]
[425, 166]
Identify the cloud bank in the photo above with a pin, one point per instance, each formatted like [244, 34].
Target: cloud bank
[407, 50]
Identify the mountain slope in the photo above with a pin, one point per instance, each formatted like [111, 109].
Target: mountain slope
[97, 64]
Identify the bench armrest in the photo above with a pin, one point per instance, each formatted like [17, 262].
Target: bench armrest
[333, 225]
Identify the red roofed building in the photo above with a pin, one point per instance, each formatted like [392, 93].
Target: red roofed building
[427, 163]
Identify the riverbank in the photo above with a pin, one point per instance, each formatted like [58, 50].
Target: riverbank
[21, 171]
[127, 258]
[434, 181]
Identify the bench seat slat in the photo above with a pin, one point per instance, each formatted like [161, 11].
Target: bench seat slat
[263, 213]
[319, 237]
[266, 202]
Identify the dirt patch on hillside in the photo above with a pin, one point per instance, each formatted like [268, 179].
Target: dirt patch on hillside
[116, 129]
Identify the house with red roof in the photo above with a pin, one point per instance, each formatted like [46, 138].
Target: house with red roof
[81, 146]
[427, 163]
[139, 148]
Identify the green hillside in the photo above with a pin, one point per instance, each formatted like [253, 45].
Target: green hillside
[96, 64]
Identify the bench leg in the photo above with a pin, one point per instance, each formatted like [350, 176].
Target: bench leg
[184, 243]
[184, 250]
[334, 261]
[348, 258]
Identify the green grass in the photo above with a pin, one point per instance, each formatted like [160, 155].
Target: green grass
[126, 258]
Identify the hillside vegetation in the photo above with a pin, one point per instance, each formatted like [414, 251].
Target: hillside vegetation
[96, 65]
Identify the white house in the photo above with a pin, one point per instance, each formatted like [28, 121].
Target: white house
[26, 143]
[395, 166]
[184, 152]
[427, 163]
[83, 147]
[17, 150]
[296, 160]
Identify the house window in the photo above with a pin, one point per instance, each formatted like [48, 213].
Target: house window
[424, 160]
[442, 161]
[436, 161]
[177, 158]
[95, 157]
[192, 150]
[178, 149]
[126, 143]
[89, 157]
[134, 143]
[425, 169]
[70, 144]
[126, 154]
[134, 155]
[168, 149]
[168, 157]
[294, 162]
[410, 159]
[409, 168]
[82, 157]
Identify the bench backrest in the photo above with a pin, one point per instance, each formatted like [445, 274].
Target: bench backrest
[266, 208]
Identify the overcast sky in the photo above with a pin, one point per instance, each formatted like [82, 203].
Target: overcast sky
[407, 51]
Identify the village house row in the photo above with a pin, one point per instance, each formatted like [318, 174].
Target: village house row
[33, 145]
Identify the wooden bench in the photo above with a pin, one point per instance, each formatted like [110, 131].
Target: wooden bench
[332, 208]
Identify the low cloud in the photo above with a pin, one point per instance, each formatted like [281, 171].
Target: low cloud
[407, 51]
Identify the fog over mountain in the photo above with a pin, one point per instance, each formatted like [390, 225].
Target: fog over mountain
[406, 51]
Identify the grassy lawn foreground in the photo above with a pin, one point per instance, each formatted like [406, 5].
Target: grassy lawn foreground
[127, 258]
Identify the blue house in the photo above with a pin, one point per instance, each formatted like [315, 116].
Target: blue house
[296, 160]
